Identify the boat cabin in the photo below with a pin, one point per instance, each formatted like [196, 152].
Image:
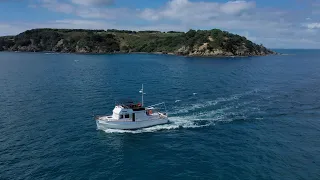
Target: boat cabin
[129, 115]
[132, 111]
[120, 112]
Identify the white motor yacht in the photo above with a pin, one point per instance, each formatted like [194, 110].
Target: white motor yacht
[130, 116]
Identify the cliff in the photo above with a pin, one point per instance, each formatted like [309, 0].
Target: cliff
[192, 43]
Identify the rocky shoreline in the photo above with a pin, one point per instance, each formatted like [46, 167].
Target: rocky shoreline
[155, 53]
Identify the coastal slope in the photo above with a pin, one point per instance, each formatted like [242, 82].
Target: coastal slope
[213, 42]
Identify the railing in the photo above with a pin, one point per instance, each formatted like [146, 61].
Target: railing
[160, 108]
[157, 104]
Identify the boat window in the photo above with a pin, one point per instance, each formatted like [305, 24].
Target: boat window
[126, 115]
[121, 116]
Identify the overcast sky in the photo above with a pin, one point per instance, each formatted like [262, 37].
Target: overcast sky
[274, 23]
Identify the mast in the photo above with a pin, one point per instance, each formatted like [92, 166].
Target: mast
[142, 93]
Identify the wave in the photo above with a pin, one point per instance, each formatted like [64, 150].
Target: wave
[202, 105]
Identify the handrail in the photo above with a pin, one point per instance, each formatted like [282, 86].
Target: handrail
[162, 103]
[156, 104]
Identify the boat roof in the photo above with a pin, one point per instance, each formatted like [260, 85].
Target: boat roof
[125, 102]
[130, 104]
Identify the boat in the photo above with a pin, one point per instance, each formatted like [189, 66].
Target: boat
[131, 116]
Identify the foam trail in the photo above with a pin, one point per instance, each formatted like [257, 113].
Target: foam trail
[188, 117]
[189, 121]
[211, 103]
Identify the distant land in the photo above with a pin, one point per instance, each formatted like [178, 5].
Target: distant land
[213, 42]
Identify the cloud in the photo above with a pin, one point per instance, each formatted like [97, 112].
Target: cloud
[236, 7]
[185, 10]
[93, 2]
[54, 5]
[80, 24]
[105, 13]
[84, 8]
[313, 26]
[13, 28]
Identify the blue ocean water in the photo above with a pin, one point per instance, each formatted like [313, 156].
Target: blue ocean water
[252, 118]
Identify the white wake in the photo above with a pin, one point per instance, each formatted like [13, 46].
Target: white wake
[199, 115]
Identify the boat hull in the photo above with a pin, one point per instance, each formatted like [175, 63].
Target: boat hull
[129, 125]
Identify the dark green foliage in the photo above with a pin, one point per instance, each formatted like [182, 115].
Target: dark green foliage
[175, 32]
[121, 31]
[65, 30]
[6, 42]
[63, 40]
[112, 40]
[2, 44]
[190, 34]
[149, 31]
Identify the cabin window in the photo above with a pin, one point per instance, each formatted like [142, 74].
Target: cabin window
[126, 115]
[121, 116]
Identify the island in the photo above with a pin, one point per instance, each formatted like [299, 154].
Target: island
[211, 43]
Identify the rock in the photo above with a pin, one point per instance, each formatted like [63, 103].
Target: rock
[85, 49]
[203, 47]
[183, 51]
[59, 46]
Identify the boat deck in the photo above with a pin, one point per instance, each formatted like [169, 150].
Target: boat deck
[154, 116]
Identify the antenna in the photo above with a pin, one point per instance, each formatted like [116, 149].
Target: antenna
[142, 93]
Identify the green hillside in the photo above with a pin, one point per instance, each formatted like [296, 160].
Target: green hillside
[192, 43]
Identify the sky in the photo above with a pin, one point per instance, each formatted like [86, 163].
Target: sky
[273, 23]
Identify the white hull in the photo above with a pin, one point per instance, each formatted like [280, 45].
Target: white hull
[129, 125]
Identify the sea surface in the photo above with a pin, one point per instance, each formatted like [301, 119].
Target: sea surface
[231, 118]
